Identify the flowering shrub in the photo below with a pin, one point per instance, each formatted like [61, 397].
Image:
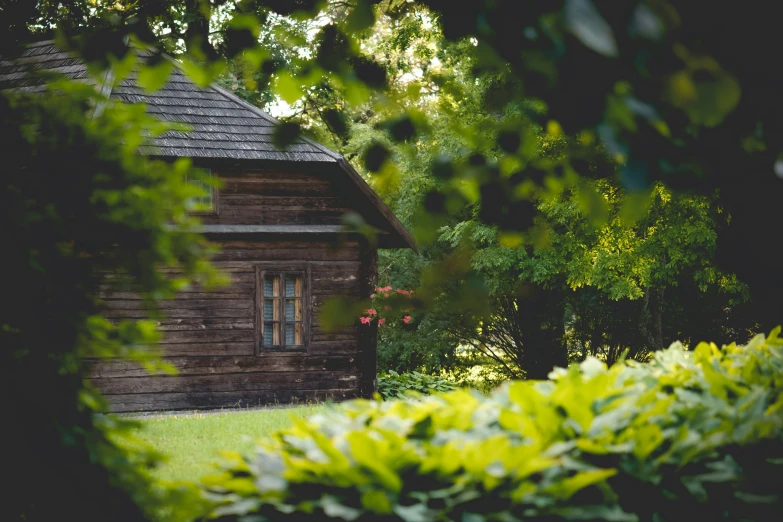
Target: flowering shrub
[388, 304]
[396, 385]
[686, 436]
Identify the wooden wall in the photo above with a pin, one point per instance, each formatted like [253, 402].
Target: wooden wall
[274, 196]
[210, 336]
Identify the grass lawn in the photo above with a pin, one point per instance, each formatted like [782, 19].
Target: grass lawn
[191, 441]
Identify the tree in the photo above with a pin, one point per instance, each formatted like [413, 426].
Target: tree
[601, 290]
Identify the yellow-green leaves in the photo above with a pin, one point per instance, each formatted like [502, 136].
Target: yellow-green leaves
[706, 92]
[588, 444]
[568, 487]
[376, 454]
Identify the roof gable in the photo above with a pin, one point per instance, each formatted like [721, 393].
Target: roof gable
[222, 126]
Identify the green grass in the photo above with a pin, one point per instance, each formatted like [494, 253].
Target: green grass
[191, 441]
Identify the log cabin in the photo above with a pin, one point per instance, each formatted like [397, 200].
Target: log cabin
[277, 220]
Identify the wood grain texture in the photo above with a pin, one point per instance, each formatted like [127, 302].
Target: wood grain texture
[230, 382]
[219, 364]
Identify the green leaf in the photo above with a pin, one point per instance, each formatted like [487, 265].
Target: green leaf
[152, 76]
[568, 487]
[377, 501]
[288, 88]
[704, 91]
[361, 17]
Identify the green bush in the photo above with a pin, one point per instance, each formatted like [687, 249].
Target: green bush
[688, 432]
[395, 385]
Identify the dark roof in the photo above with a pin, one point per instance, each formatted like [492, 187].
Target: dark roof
[221, 125]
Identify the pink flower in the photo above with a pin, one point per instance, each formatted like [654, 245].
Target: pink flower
[386, 307]
[386, 289]
[401, 291]
[386, 295]
[372, 296]
[381, 321]
[372, 311]
[365, 320]
[406, 319]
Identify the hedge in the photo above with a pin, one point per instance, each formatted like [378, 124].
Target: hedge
[688, 434]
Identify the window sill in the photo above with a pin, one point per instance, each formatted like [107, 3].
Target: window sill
[286, 349]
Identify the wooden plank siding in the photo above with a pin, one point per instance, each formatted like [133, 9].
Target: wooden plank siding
[210, 336]
[273, 197]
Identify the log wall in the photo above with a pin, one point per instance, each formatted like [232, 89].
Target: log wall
[210, 336]
[271, 196]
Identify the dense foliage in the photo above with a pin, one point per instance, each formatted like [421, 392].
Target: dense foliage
[397, 386]
[689, 432]
[77, 202]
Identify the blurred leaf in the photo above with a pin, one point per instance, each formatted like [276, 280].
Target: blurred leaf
[154, 73]
[336, 121]
[286, 134]
[509, 140]
[707, 94]
[635, 206]
[586, 23]
[289, 88]
[361, 17]
[442, 166]
[401, 128]
[340, 312]
[593, 205]
[375, 156]
[370, 72]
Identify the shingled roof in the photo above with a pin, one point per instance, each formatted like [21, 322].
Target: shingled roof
[221, 125]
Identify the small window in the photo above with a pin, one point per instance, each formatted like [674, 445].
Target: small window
[205, 202]
[282, 309]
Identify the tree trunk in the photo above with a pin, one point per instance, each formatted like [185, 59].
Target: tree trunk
[197, 33]
[542, 329]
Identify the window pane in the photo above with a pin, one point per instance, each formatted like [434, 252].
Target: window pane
[271, 310]
[203, 202]
[293, 286]
[293, 309]
[293, 333]
[271, 334]
[271, 286]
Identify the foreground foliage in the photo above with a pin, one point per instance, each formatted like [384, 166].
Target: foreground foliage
[687, 431]
[77, 202]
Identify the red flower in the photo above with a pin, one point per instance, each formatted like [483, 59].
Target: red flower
[386, 307]
[372, 311]
[365, 320]
[381, 321]
[406, 319]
